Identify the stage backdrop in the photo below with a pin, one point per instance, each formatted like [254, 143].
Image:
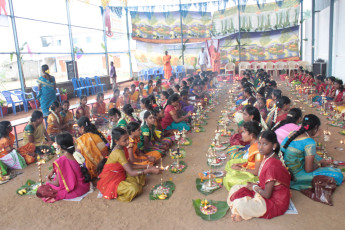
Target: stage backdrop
[164, 27]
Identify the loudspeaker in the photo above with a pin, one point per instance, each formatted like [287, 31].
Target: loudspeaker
[72, 69]
[319, 68]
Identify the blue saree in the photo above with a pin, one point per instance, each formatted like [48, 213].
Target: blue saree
[47, 94]
[294, 157]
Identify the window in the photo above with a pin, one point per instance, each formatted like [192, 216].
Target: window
[42, 36]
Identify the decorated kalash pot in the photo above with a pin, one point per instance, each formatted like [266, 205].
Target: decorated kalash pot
[195, 128]
[206, 208]
[178, 166]
[218, 146]
[163, 190]
[184, 140]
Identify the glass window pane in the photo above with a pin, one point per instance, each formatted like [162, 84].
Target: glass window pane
[42, 36]
[90, 65]
[89, 40]
[47, 10]
[87, 15]
[32, 67]
[9, 78]
[6, 37]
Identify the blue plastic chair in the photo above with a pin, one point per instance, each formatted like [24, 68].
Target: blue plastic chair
[145, 74]
[23, 96]
[77, 88]
[160, 72]
[99, 83]
[141, 75]
[58, 94]
[35, 90]
[82, 84]
[180, 72]
[8, 97]
[88, 82]
[150, 73]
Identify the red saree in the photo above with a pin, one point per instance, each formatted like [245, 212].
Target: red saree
[110, 178]
[278, 203]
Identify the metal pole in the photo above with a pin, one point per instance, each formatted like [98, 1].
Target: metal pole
[312, 31]
[70, 37]
[129, 45]
[330, 47]
[181, 33]
[105, 43]
[239, 31]
[301, 44]
[15, 36]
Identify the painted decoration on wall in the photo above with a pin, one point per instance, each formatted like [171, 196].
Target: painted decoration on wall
[253, 19]
[164, 27]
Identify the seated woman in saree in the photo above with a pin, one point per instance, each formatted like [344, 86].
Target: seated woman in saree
[47, 90]
[55, 123]
[278, 113]
[300, 155]
[92, 145]
[249, 99]
[149, 87]
[261, 106]
[271, 196]
[339, 99]
[184, 102]
[134, 96]
[124, 99]
[136, 156]
[145, 106]
[171, 120]
[67, 117]
[142, 91]
[237, 146]
[318, 88]
[285, 127]
[245, 169]
[149, 141]
[69, 178]
[128, 117]
[35, 133]
[10, 158]
[99, 110]
[115, 100]
[119, 178]
[329, 91]
[83, 110]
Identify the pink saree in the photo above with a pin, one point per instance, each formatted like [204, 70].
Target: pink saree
[71, 182]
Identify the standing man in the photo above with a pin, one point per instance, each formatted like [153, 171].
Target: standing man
[113, 74]
[167, 66]
[203, 60]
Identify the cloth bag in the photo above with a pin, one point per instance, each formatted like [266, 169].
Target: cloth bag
[13, 160]
[322, 189]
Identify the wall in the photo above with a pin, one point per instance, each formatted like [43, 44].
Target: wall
[322, 38]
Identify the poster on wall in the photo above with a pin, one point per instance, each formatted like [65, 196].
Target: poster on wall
[165, 27]
[262, 46]
[252, 19]
[4, 12]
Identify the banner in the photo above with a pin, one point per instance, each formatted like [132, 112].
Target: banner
[253, 19]
[150, 55]
[261, 46]
[165, 27]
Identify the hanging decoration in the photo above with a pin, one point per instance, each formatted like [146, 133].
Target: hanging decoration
[279, 3]
[116, 10]
[105, 3]
[261, 3]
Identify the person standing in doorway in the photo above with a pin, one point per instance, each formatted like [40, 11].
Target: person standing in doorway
[113, 74]
[203, 60]
[167, 66]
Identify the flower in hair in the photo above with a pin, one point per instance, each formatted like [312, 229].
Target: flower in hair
[306, 127]
[306, 118]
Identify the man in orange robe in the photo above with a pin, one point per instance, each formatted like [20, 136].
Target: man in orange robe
[215, 58]
[167, 66]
